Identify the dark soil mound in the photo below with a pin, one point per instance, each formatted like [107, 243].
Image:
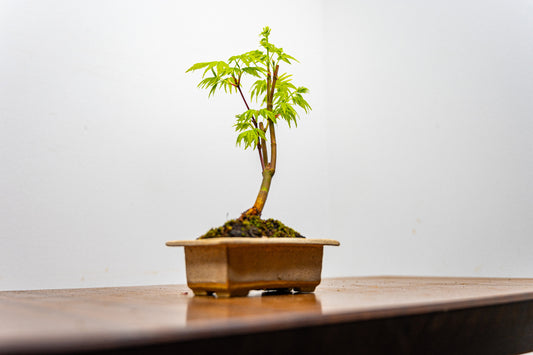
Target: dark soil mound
[252, 227]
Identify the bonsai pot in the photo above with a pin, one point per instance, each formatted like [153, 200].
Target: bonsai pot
[234, 266]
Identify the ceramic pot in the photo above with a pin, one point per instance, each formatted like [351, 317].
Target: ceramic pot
[234, 266]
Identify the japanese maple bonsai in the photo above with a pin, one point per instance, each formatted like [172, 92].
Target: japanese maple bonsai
[233, 266]
[278, 98]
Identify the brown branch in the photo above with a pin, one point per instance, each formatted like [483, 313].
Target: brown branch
[269, 85]
[273, 87]
[242, 95]
[270, 106]
[259, 149]
[273, 147]
[263, 144]
[247, 107]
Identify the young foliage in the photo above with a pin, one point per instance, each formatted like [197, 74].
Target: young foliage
[272, 90]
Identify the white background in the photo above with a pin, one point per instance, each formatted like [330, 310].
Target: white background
[417, 156]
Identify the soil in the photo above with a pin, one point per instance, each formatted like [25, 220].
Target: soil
[252, 227]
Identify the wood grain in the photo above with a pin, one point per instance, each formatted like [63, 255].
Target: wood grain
[167, 318]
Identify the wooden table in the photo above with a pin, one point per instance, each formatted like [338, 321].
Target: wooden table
[366, 315]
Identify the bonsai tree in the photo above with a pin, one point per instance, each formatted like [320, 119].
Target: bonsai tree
[274, 93]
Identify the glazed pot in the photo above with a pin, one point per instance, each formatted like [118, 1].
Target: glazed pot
[234, 266]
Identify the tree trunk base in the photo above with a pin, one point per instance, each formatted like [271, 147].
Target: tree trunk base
[254, 211]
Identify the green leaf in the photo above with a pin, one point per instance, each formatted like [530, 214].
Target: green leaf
[258, 88]
[208, 82]
[221, 67]
[284, 78]
[267, 114]
[266, 32]
[242, 125]
[198, 66]
[287, 58]
[252, 71]
[261, 133]
[300, 101]
[249, 138]
[212, 91]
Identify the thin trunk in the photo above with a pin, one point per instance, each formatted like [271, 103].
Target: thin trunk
[262, 195]
[270, 167]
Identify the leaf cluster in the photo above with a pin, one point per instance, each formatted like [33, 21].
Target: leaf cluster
[274, 92]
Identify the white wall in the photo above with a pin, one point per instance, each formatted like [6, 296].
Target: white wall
[430, 119]
[417, 153]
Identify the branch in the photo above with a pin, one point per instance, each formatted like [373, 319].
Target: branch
[273, 147]
[274, 83]
[247, 107]
[259, 150]
[263, 143]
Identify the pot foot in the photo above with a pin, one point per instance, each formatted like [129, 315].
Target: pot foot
[304, 289]
[277, 291]
[233, 293]
[202, 293]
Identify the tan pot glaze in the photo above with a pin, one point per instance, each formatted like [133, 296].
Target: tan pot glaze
[234, 266]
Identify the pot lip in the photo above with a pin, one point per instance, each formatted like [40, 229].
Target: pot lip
[248, 241]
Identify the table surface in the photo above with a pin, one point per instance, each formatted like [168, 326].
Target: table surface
[129, 316]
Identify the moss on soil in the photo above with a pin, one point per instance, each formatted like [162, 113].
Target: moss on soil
[252, 227]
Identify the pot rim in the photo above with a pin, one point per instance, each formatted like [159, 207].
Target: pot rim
[248, 241]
